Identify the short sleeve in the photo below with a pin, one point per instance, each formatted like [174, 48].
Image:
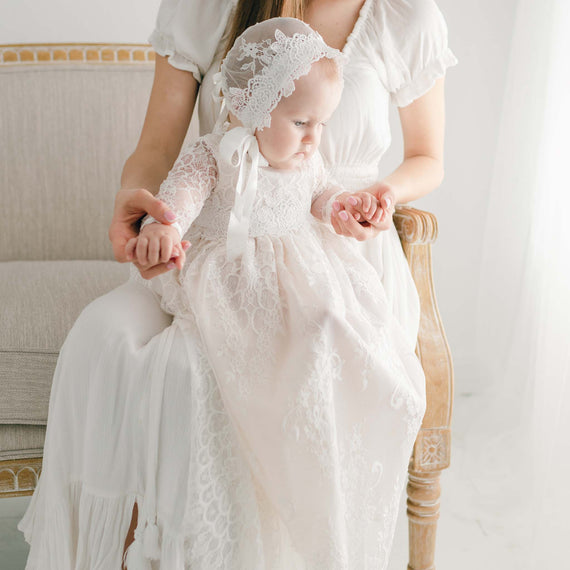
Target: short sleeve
[188, 32]
[414, 47]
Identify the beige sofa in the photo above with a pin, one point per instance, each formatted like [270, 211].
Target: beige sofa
[69, 117]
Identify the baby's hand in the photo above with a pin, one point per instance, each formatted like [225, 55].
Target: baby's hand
[156, 243]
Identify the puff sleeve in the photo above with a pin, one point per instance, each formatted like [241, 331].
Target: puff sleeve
[414, 47]
[188, 32]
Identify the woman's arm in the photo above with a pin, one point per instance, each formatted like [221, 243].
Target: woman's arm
[421, 170]
[423, 126]
[168, 115]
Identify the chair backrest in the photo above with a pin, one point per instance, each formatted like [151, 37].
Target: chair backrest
[70, 115]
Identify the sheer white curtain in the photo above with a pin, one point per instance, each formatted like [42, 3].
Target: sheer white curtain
[520, 444]
[519, 447]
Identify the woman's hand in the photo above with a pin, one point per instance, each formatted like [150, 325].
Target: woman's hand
[130, 206]
[345, 216]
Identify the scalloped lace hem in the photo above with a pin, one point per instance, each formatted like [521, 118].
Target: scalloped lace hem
[163, 45]
[425, 80]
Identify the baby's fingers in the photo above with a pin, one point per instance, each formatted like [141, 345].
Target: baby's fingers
[166, 248]
[142, 251]
[130, 248]
[153, 250]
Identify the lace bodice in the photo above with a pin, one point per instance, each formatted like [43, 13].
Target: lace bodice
[201, 188]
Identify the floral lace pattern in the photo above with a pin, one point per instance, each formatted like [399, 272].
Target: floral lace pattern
[263, 64]
[188, 184]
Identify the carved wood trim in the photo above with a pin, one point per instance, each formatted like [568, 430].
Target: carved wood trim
[34, 54]
[19, 477]
[415, 226]
[418, 230]
[423, 502]
[432, 449]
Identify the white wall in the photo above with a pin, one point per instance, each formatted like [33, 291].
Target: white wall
[479, 32]
[61, 21]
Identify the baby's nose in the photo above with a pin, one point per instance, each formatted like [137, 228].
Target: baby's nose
[311, 137]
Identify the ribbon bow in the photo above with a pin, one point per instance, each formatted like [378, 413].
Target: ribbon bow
[239, 148]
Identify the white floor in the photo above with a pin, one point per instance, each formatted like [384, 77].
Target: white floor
[462, 542]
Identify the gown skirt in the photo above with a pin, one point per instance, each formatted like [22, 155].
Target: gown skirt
[268, 425]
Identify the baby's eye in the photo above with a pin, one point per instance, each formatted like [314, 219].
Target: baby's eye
[299, 123]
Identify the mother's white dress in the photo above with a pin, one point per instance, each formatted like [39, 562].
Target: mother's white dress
[96, 461]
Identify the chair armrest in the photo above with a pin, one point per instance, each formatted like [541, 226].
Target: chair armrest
[418, 231]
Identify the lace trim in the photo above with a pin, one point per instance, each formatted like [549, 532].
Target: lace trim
[255, 76]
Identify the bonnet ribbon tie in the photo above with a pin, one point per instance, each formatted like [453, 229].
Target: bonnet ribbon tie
[239, 148]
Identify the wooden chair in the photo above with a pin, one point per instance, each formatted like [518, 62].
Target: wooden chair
[417, 230]
[431, 454]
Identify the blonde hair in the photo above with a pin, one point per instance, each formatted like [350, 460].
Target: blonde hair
[249, 12]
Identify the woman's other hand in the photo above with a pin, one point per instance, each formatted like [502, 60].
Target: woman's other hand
[344, 215]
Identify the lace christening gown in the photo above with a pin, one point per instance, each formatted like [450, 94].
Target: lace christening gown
[314, 394]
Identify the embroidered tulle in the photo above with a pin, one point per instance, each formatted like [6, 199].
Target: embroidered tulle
[188, 184]
[264, 63]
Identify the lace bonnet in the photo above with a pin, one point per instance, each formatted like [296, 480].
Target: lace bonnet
[258, 71]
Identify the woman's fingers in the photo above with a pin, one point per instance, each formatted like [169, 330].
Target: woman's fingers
[143, 200]
[150, 272]
[387, 202]
[350, 227]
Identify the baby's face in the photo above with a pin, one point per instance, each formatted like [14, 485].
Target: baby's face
[297, 121]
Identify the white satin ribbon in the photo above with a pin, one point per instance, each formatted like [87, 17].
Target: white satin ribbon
[239, 148]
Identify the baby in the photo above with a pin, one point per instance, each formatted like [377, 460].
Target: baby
[291, 140]
[285, 322]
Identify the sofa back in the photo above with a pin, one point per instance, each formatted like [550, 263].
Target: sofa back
[70, 115]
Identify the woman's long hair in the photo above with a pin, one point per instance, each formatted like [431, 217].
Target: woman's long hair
[249, 12]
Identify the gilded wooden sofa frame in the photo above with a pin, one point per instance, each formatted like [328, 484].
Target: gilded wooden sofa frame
[418, 231]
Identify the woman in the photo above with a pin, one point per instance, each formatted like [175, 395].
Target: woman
[397, 51]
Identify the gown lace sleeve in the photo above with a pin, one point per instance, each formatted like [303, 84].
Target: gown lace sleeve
[326, 190]
[188, 184]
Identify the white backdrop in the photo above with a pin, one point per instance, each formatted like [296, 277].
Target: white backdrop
[479, 34]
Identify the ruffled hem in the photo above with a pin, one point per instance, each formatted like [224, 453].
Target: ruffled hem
[87, 530]
[164, 45]
[424, 81]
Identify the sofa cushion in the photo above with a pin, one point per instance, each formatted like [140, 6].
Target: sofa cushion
[40, 302]
[19, 441]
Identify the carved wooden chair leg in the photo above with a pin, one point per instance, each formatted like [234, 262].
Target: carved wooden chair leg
[423, 512]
